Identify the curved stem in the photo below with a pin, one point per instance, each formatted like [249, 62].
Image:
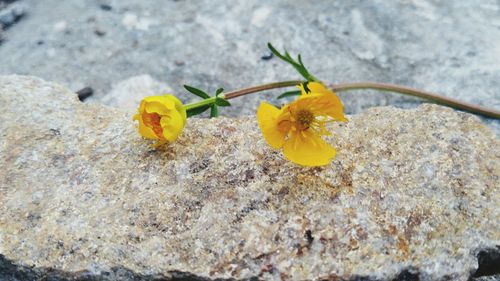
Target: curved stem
[492, 113]
[275, 85]
[472, 108]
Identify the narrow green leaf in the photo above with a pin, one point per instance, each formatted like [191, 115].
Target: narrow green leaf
[289, 94]
[299, 66]
[302, 72]
[219, 91]
[196, 111]
[278, 54]
[302, 65]
[273, 50]
[222, 102]
[291, 60]
[197, 92]
[214, 112]
[300, 60]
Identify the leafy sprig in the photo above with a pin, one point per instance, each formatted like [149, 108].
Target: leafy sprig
[297, 64]
[197, 92]
[208, 102]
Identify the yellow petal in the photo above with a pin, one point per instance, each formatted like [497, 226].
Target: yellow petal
[302, 87]
[322, 104]
[172, 117]
[313, 88]
[160, 104]
[308, 149]
[142, 107]
[318, 88]
[172, 125]
[162, 108]
[178, 106]
[267, 117]
[144, 130]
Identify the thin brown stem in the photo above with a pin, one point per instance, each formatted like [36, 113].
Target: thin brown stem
[275, 85]
[472, 108]
[488, 112]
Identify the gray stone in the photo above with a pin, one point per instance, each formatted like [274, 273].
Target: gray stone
[11, 14]
[447, 47]
[488, 278]
[412, 194]
[127, 94]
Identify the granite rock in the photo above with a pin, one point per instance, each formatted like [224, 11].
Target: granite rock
[447, 47]
[413, 193]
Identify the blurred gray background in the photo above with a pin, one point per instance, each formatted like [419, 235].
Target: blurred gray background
[125, 49]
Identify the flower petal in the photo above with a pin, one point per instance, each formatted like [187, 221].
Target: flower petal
[144, 130]
[322, 104]
[161, 118]
[172, 125]
[179, 107]
[159, 104]
[307, 88]
[318, 88]
[267, 117]
[308, 149]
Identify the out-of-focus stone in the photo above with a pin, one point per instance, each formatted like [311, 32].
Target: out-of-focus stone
[127, 94]
[11, 14]
[411, 193]
[447, 47]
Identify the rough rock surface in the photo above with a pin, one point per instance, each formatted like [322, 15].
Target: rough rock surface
[411, 193]
[448, 47]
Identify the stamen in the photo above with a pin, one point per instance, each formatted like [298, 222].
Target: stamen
[152, 120]
[305, 118]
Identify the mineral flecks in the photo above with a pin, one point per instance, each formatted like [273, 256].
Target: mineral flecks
[413, 191]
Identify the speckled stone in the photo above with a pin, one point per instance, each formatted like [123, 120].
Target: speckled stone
[413, 191]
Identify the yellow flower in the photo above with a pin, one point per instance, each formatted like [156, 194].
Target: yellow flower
[297, 127]
[161, 118]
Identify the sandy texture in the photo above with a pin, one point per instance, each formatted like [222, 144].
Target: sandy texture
[414, 190]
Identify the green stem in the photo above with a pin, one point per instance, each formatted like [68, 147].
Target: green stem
[202, 103]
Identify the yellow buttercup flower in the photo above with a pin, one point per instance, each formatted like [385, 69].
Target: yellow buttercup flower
[161, 118]
[297, 127]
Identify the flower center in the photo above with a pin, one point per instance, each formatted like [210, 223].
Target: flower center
[152, 120]
[304, 118]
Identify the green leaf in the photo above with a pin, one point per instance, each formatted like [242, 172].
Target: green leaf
[278, 54]
[273, 50]
[222, 102]
[289, 94]
[196, 111]
[219, 91]
[214, 112]
[310, 77]
[197, 92]
[300, 61]
[299, 66]
[287, 55]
